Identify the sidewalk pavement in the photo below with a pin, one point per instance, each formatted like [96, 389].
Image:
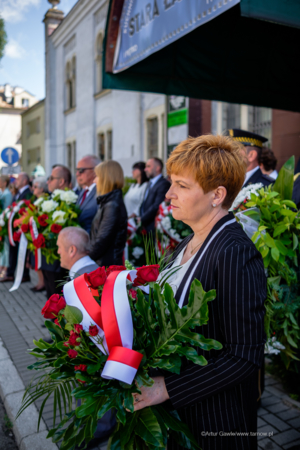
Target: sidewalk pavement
[20, 323]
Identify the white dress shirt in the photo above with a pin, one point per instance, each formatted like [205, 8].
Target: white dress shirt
[273, 174]
[89, 188]
[250, 173]
[80, 263]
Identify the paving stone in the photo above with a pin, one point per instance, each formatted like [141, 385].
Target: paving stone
[262, 411]
[295, 423]
[274, 391]
[268, 444]
[276, 422]
[286, 437]
[292, 445]
[266, 431]
[269, 380]
[265, 402]
[260, 422]
[277, 408]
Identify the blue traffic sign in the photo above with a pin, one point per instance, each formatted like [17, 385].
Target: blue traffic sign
[10, 155]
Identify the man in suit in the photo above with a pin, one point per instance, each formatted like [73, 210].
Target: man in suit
[253, 146]
[73, 248]
[60, 178]
[155, 193]
[87, 200]
[24, 193]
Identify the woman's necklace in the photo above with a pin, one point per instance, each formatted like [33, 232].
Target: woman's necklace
[191, 252]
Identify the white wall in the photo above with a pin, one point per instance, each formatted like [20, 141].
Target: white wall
[10, 132]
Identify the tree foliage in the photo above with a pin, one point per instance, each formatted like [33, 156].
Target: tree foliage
[3, 37]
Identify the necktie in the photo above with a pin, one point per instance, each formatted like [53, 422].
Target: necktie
[84, 196]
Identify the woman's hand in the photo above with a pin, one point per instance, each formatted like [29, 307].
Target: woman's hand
[153, 395]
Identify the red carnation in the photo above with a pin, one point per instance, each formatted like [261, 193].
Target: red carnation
[72, 340]
[72, 353]
[55, 228]
[39, 241]
[16, 236]
[22, 211]
[96, 278]
[78, 328]
[25, 227]
[42, 220]
[146, 274]
[81, 367]
[133, 294]
[114, 268]
[144, 232]
[53, 306]
[93, 330]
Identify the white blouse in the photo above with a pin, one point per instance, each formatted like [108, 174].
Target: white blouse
[134, 198]
[175, 279]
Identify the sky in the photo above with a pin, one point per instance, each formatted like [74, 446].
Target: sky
[23, 63]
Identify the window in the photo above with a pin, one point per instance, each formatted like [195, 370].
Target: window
[101, 146]
[231, 116]
[260, 122]
[109, 144]
[25, 102]
[152, 137]
[33, 127]
[99, 54]
[71, 156]
[71, 83]
[33, 157]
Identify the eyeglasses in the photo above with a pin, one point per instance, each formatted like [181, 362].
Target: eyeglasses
[51, 178]
[82, 169]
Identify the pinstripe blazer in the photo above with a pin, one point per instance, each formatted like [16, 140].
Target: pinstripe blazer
[221, 396]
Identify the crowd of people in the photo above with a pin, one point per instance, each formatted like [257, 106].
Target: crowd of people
[206, 174]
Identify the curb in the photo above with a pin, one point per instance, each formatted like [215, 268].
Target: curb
[11, 391]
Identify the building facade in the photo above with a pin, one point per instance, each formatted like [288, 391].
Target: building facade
[13, 102]
[33, 137]
[80, 116]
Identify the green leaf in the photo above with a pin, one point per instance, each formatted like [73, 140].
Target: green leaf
[285, 180]
[279, 230]
[289, 203]
[291, 341]
[73, 315]
[90, 406]
[148, 428]
[281, 247]
[268, 240]
[295, 241]
[275, 253]
[192, 355]
[92, 368]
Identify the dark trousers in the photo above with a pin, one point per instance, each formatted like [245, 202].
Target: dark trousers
[52, 279]
[13, 260]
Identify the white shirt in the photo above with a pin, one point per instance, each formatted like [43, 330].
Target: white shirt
[80, 263]
[90, 188]
[22, 189]
[134, 198]
[250, 173]
[273, 174]
[176, 278]
[155, 180]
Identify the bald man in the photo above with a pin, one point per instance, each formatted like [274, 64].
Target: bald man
[87, 199]
[73, 247]
[60, 178]
[24, 193]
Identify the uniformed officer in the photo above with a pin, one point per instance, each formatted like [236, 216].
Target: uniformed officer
[253, 145]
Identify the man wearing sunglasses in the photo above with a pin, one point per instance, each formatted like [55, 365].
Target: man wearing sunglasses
[60, 178]
[87, 199]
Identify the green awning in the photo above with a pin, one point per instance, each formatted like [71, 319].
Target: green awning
[232, 58]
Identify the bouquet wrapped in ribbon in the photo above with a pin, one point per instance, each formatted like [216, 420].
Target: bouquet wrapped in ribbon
[112, 328]
[169, 231]
[10, 220]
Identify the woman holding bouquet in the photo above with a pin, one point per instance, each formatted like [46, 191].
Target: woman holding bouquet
[218, 401]
[109, 226]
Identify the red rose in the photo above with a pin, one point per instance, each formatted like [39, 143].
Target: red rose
[96, 278]
[39, 241]
[16, 236]
[22, 211]
[25, 227]
[72, 353]
[14, 204]
[42, 220]
[114, 268]
[66, 344]
[93, 330]
[53, 306]
[81, 381]
[73, 338]
[133, 294]
[81, 367]
[78, 328]
[144, 232]
[57, 322]
[145, 274]
[55, 228]
[27, 202]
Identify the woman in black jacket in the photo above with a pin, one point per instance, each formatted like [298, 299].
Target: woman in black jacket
[109, 227]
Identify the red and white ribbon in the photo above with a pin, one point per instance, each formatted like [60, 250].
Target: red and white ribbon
[10, 224]
[113, 320]
[37, 252]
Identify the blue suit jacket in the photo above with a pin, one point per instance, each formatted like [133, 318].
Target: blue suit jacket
[88, 209]
[151, 204]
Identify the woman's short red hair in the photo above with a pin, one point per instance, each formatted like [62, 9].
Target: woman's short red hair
[213, 161]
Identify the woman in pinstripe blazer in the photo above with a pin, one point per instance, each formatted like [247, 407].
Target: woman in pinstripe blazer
[218, 401]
